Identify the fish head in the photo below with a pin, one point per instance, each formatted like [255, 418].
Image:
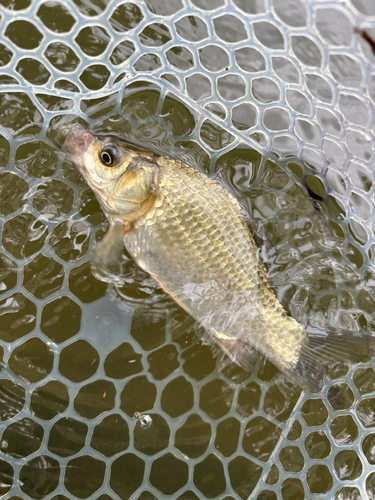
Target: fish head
[123, 177]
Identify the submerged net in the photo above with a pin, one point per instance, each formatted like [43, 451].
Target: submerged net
[110, 392]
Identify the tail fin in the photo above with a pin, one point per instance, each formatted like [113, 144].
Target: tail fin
[323, 348]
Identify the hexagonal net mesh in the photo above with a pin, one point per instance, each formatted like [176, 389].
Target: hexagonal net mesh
[112, 392]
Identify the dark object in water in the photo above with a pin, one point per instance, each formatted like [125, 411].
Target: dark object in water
[367, 38]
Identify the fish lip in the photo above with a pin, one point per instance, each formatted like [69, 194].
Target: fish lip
[77, 141]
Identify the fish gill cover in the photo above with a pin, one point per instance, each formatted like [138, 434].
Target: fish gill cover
[269, 96]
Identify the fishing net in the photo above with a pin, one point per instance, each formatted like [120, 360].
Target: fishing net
[111, 392]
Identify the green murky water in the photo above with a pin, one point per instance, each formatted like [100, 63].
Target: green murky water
[51, 221]
[81, 357]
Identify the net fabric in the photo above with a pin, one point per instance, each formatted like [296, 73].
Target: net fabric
[295, 81]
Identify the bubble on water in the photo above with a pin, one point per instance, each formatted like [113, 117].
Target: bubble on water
[143, 419]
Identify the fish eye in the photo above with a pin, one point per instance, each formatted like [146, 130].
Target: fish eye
[109, 156]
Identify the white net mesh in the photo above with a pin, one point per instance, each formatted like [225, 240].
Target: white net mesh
[268, 95]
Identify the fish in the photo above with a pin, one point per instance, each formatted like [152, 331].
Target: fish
[192, 236]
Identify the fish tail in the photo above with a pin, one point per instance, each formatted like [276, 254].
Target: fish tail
[323, 348]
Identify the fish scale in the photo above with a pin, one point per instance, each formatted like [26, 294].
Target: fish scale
[230, 258]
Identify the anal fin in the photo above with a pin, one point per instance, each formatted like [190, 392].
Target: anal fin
[239, 351]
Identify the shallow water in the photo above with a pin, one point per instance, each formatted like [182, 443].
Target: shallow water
[114, 392]
[82, 357]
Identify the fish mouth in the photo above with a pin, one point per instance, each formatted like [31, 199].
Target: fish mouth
[77, 142]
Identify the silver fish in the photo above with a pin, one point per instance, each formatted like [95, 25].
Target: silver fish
[190, 234]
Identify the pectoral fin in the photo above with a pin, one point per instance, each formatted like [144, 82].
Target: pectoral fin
[107, 260]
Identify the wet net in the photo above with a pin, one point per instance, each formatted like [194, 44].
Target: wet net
[111, 392]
